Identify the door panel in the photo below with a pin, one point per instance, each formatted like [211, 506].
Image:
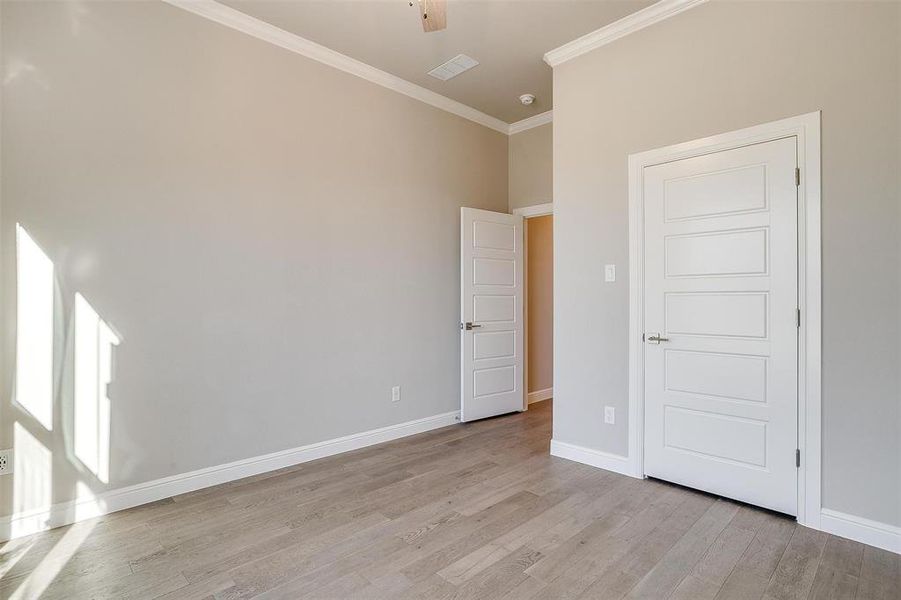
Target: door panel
[728, 376]
[721, 292]
[726, 254]
[492, 302]
[715, 436]
[716, 193]
[493, 271]
[727, 314]
[494, 344]
[497, 236]
[494, 308]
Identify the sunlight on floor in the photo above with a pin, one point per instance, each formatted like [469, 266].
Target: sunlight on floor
[11, 552]
[34, 585]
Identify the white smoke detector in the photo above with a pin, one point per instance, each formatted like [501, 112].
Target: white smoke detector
[527, 99]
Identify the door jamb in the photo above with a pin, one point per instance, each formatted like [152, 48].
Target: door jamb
[807, 129]
[527, 212]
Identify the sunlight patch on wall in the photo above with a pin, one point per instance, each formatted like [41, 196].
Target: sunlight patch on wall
[94, 341]
[34, 329]
[32, 482]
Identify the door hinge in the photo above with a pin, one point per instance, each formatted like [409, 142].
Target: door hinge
[798, 318]
[797, 176]
[797, 457]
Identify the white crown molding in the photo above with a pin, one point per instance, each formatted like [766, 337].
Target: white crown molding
[66, 513]
[534, 121]
[654, 13]
[225, 15]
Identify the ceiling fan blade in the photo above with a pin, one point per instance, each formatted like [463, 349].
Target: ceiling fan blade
[434, 14]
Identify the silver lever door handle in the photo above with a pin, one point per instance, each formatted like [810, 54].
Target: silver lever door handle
[470, 326]
[655, 338]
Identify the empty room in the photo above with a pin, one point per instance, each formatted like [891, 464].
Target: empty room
[450, 299]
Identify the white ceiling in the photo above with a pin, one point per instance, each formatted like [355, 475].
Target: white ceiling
[507, 37]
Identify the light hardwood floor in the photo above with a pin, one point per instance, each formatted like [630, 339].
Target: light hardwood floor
[470, 511]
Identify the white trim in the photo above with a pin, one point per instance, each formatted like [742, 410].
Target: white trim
[536, 210]
[629, 24]
[874, 533]
[225, 15]
[541, 395]
[530, 123]
[807, 129]
[588, 456]
[73, 511]
[527, 212]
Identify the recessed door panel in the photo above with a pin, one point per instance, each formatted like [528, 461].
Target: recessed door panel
[724, 253]
[492, 308]
[494, 381]
[493, 271]
[717, 314]
[716, 437]
[494, 236]
[716, 194]
[494, 344]
[728, 376]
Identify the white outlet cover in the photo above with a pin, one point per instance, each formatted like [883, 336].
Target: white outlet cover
[6, 462]
[395, 394]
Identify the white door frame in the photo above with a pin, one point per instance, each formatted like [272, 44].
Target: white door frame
[807, 129]
[527, 212]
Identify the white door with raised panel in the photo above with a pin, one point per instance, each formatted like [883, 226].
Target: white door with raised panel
[491, 313]
[721, 337]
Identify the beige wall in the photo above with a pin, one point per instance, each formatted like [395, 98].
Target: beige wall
[541, 302]
[531, 168]
[275, 241]
[715, 68]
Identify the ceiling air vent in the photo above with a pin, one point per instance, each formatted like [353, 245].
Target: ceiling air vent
[453, 67]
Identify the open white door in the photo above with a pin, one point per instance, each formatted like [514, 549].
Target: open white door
[491, 313]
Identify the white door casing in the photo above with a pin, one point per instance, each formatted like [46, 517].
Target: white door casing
[721, 289]
[491, 287]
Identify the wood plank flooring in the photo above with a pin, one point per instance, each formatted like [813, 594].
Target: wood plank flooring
[471, 511]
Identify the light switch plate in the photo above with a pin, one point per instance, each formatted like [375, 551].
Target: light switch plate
[609, 273]
[395, 394]
[609, 415]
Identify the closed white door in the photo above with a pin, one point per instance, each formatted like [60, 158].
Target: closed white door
[721, 337]
[491, 309]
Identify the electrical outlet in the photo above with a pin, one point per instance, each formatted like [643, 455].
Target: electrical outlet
[609, 415]
[395, 394]
[6, 461]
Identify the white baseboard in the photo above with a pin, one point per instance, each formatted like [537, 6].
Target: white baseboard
[866, 531]
[859, 529]
[66, 513]
[541, 395]
[595, 458]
